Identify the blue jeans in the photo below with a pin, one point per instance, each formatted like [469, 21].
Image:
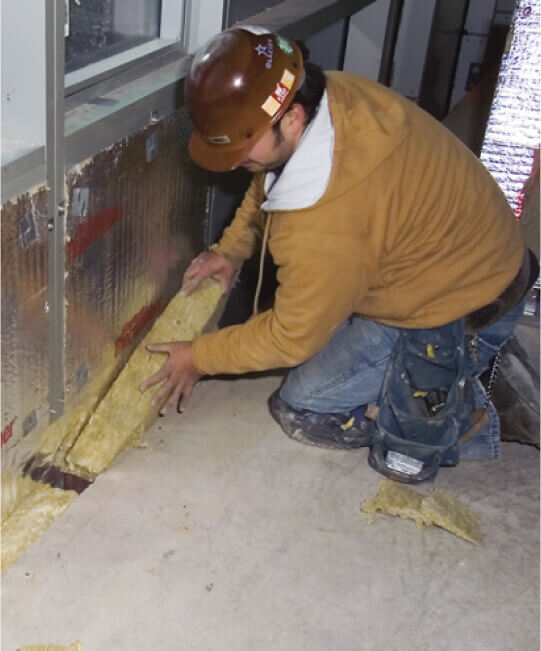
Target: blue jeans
[349, 371]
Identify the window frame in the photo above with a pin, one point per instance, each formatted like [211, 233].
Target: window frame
[96, 78]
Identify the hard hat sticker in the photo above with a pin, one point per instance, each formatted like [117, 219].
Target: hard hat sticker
[280, 92]
[219, 140]
[266, 50]
[284, 45]
[270, 105]
[287, 78]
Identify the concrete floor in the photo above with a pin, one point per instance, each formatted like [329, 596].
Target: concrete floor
[226, 535]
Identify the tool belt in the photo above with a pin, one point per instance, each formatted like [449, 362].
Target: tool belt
[513, 294]
[426, 406]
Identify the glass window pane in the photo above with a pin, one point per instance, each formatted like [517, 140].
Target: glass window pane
[101, 28]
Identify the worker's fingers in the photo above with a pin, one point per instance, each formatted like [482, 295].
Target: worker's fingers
[190, 285]
[190, 272]
[164, 347]
[194, 266]
[186, 393]
[162, 394]
[199, 259]
[173, 398]
[153, 379]
[202, 267]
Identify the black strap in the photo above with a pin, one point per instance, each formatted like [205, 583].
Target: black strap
[511, 296]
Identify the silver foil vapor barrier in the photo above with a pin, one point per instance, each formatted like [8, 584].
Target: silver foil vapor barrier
[512, 133]
[135, 218]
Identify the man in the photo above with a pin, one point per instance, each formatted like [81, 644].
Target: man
[381, 224]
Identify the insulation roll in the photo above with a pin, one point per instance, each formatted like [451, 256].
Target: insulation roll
[120, 418]
[125, 412]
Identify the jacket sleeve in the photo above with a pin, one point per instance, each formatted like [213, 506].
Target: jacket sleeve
[239, 240]
[321, 279]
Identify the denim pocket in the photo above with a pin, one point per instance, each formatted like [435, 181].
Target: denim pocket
[486, 443]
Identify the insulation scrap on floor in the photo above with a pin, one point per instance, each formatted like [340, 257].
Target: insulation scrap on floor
[438, 509]
[76, 646]
[398, 500]
[125, 412]
[444, 511]
[37, 508]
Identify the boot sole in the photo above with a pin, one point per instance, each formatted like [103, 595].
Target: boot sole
[296, 434]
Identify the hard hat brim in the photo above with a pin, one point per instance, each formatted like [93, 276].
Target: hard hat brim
[216, 158]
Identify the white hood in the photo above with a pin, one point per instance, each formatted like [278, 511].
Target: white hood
[306, 174]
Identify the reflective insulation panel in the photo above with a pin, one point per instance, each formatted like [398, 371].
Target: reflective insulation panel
[136, 217]
[512, 132]
[24, 323]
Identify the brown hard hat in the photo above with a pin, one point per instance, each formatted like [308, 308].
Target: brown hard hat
[239, 84]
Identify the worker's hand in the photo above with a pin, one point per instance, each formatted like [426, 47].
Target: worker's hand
[177, 376]
[207, 265]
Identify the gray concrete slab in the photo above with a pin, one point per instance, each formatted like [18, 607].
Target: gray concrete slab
[225, 535]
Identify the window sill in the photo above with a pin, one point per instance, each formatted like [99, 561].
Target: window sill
[102, 76]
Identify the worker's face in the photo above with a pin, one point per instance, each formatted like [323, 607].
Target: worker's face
[276, 146]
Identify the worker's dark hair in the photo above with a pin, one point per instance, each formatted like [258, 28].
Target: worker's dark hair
[310, 93]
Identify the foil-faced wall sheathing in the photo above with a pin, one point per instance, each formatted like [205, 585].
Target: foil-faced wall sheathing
[24, 322]
[135, 217]
[512, 135]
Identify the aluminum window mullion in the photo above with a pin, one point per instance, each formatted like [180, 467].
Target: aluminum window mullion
[172, 19]
[54, 152]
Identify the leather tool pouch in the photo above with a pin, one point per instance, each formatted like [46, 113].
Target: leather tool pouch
[425, 404]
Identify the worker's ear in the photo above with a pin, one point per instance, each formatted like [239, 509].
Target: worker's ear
[292, 122]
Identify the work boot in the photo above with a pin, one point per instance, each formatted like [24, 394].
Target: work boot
[342, 431]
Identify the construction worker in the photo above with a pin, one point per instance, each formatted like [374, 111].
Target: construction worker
[391, 240]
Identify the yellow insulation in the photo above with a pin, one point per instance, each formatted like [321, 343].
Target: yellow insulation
[30, 507]
[438, 508]
[33, 515]
[57, 440]
[125, 412]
